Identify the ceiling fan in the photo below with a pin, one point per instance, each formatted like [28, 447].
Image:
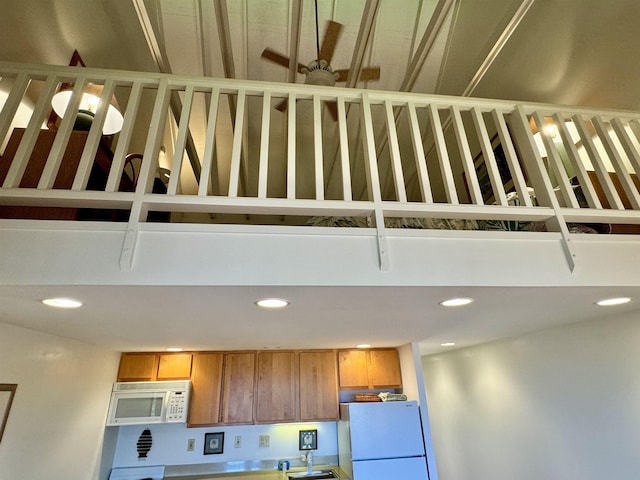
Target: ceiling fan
[319, 71]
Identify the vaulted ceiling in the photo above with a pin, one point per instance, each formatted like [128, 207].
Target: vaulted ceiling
[575, 52]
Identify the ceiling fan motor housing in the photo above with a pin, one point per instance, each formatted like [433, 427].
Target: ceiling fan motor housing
[319, 72]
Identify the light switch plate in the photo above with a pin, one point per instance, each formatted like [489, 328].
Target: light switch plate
[265, 440]
[191, 445]
[238, 441]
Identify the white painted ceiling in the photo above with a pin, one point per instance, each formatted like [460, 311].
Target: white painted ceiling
[574, 52]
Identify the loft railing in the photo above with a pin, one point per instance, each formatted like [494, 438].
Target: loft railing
[314, 155]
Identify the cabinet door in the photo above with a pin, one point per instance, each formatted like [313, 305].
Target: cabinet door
[237, 390]
[352, 368]
[384, 368]
[318, 386]
[276, 387]
[136, 367]
[174, 366]
[206, 385]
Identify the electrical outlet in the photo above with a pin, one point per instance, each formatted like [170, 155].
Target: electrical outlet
[265, 440]
[191, 445]
[238, 441]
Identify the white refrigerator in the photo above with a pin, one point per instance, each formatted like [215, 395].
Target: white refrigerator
[381, 440]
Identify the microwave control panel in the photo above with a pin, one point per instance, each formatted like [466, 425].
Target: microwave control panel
[177, 406]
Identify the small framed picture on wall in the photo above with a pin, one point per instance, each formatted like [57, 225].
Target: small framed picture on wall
[308, 439]
[213, 443]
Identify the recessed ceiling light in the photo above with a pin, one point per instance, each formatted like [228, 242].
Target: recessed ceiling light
[174, 349]
[272, 303]
[613, 301]
[363, 345]
[456, 302]
[62, 302]
[447, 344]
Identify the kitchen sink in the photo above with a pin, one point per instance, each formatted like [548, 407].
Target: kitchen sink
[313, 475]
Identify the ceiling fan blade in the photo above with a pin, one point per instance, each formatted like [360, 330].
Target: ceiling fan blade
[329, 41]
[333, 110]
[282, 106]
[342, 75]
[278, 58]
[368, 73]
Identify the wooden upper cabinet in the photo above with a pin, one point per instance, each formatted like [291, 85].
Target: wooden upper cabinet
[206, 388]
[352, 367]
[369, 369]
[174, 366]
[136, 367]
[237, 388]
[384, 368]
[276, 387]
[318, 386]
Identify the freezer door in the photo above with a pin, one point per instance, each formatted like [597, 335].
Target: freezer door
[398, 468]
[385, 430]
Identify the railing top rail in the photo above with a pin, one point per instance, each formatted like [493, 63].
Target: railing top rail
[150, 79]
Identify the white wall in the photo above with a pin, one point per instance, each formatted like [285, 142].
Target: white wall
[56, 426]
[559, 404]
[169, 444]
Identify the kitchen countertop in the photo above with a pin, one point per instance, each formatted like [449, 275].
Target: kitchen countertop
[246, 470]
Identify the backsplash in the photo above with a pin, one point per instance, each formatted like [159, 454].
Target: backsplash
[170, 443]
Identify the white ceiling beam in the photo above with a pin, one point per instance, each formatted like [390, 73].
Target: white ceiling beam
[498, 46]
[369, 16]
[438, 20]
[224, 35]
[205, 36]
[294, 39]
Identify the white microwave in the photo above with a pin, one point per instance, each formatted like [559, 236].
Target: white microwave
[137, 403]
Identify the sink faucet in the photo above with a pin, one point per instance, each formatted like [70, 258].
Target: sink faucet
[309, 461]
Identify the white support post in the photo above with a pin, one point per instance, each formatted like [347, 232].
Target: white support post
[443, 156]
[418, 151]
[208, 167]
[291, 146]
[181, 140]
[263, 169]
[371, 167]
[317, 147]
[236, 152]
[465, 154]
[543, 189]
[347, 194]
[147, 174]
[394, 151]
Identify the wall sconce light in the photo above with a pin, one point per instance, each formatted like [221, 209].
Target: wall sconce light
[88, 107]
[550, 129]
